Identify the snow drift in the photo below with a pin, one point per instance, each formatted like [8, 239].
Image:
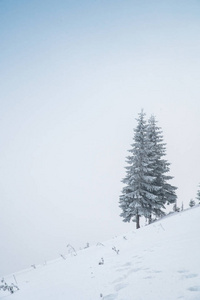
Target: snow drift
[157, 262]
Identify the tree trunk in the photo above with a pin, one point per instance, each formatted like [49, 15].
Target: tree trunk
[150, 219]
[137, 221]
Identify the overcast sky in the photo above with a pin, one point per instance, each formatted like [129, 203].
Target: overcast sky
[74, 76]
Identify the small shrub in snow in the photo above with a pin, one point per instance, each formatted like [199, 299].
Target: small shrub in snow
[176, 208]
[116, 250]
[198, 195]
[101, 262]
[100, 244]
[192, 203]
[10, 288]
[124, 237]
[33, 266]
[71, 250]
[87, 246]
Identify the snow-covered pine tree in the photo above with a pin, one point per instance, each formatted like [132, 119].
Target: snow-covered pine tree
[192, 203]
[159, 167]
[198, 195]
[138, 194]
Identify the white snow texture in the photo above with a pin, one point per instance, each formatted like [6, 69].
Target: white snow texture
[157, 262]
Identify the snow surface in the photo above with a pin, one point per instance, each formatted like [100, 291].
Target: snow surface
[157, 262]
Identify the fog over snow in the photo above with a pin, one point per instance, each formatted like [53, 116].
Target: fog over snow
[74, 76]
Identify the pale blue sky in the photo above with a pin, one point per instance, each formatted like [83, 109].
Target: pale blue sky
[73, 76]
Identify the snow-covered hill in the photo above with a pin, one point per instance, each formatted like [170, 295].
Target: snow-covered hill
[158, 262]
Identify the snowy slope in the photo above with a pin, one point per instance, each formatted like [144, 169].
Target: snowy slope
[158, 262]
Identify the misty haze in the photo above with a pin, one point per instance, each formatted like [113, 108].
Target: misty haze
[75, 77]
